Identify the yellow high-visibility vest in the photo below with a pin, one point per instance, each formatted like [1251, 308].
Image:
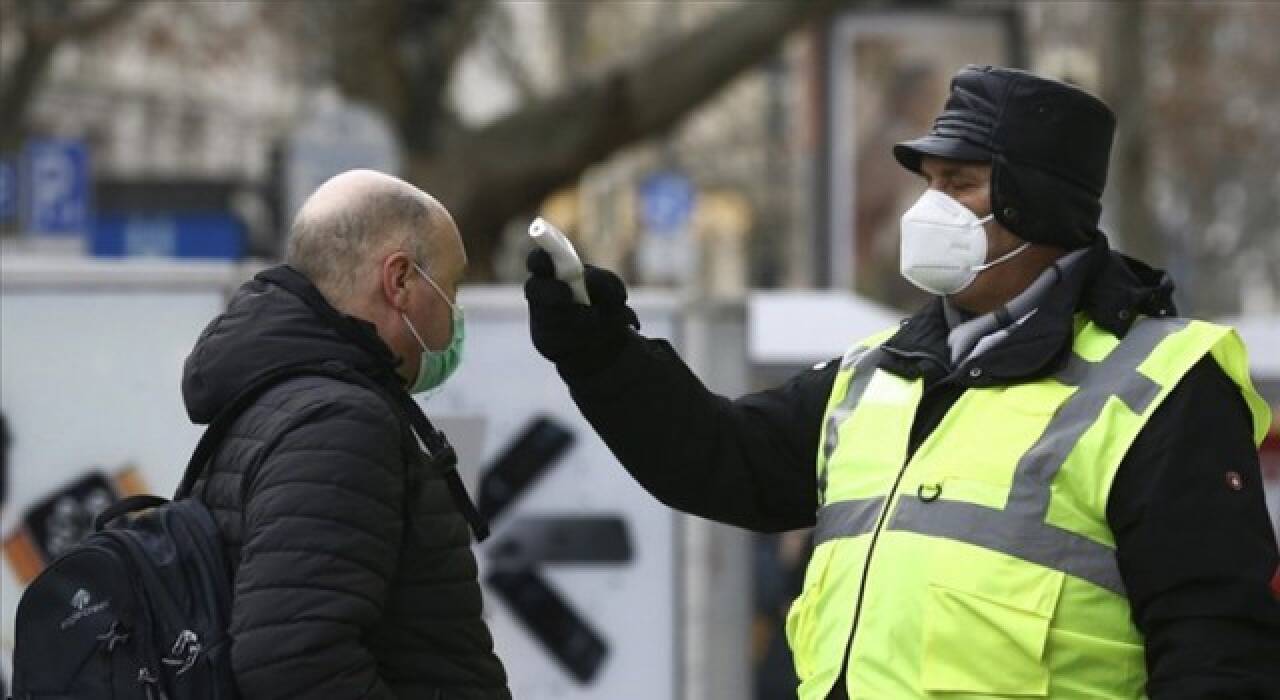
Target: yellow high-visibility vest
[984, 566]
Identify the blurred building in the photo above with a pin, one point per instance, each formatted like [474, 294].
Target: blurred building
[177, 91]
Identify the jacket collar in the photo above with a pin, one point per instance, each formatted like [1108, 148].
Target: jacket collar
[359, 332]
[276, 321]
[1110, 288]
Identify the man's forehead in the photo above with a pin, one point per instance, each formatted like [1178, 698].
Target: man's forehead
[449, 248]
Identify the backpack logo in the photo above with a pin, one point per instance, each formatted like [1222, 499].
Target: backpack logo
[186, 648]
[82, 606]
[80, 600]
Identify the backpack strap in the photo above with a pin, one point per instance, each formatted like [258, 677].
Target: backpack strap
[221, 424]
[125, 505]
[444, 460]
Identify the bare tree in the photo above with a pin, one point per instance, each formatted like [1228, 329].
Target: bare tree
[42, 26]
[1193, 184]
[398, 56]
[1124, 77]
[1213, 148]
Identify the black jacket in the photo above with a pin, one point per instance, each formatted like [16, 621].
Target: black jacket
[354, 576]
[1195, 554]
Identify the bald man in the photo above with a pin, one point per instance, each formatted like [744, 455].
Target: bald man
[350, 545]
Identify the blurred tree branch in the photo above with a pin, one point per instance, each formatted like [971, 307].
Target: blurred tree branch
[511, 64]
[491, 174]
[397, 57]
[43, 26]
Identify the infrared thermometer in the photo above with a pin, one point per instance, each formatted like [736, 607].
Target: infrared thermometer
[568, 265]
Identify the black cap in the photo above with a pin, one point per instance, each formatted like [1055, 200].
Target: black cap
[1048, 142]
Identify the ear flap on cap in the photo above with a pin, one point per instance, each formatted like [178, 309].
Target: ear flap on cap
[1041, 208]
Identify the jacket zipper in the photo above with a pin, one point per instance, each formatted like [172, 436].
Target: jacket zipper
[862, 585]
[842, 679]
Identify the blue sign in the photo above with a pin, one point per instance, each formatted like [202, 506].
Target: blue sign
[212, 234]
[666, 202]
[57, 187]
[8, 192]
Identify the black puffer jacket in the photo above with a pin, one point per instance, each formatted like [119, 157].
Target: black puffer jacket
[354, 576]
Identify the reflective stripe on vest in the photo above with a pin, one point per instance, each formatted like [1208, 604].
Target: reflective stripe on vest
[847, 519]
[1019, 529]
[860, 356]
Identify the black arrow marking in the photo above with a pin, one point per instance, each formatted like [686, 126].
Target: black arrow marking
[528, 457]
[535, 540]
[560, 629]
[591, 539]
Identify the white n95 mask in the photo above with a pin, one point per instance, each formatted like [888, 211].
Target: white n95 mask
[944, 245]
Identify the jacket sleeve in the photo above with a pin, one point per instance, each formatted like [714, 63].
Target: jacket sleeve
[1195, 546]
[748, 462]
[322, 533]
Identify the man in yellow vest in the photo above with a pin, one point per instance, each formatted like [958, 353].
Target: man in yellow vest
[1043, 484]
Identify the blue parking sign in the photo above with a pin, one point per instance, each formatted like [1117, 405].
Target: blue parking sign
[56, 186]
[666, 201]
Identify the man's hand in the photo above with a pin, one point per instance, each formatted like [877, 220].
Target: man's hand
[578, 339]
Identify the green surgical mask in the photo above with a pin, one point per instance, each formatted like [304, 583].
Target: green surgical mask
[435, 367]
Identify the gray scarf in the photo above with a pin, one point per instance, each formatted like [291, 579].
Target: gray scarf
[971, 336]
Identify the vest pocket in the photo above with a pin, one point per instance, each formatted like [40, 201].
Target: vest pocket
[800, 624]
[985, 629]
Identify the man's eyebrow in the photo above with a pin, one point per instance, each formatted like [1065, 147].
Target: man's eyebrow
[950, 171]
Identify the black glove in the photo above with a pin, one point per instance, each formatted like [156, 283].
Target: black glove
[579, 339]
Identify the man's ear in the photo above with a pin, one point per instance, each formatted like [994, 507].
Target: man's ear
[396, 271]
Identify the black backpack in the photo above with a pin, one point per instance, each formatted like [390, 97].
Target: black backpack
[139, 609]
